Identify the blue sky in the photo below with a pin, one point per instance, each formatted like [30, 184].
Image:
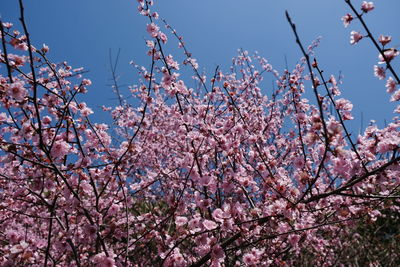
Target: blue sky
[82, 32]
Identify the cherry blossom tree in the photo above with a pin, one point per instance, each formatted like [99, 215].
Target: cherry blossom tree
[228, 173]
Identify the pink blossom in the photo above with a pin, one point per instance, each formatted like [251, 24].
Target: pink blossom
[341, 166]
[395, 96]
[60, 149]
[397, 109]
[150, 44]
[355, 37]
[293, 239]
[19, 44]
[46, 120]
[390, 85]
[180, 220]
[334, 127]
[390, 54]
[389, 141]
[192, 62]
[347, 19]
[181, 87]
[163, 37]
[379, 72]
[155, 15]
[17, 91]
[249, 259]
[13, 236]
[19, 247]
[298, 162]
[195, 224]
[3, 117]
[85, 110]
[86, 82]
[345, 106]
[218, 215]
[167, 80]
[367, 6]
[7, 25]
[45, 48]
[113, 210]
[209, 225]
[217, 252]
[205, 180]
[90, 231]
[384, 40]
[101, 260]
[153, 29]
[176, 259]
[16, 60]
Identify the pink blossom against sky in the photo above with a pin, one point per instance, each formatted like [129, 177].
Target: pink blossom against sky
[84, 31]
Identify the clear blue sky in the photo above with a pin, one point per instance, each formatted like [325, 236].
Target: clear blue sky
[82, 32]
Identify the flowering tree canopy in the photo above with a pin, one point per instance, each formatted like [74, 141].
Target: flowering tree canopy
[228, 173]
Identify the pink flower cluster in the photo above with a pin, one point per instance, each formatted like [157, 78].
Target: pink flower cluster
[367, 6]
[355, 37]
[219, 173]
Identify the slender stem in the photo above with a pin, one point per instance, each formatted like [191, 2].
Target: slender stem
[359, 16]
